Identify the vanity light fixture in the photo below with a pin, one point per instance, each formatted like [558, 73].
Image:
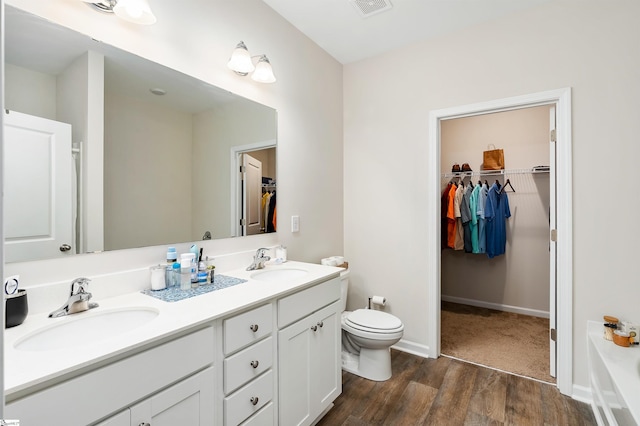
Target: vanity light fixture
[136, 11]
[241, 62]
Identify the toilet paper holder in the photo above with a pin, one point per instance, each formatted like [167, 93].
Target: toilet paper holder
[377, 300]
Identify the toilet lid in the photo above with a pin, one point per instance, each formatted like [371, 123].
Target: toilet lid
[372, 319]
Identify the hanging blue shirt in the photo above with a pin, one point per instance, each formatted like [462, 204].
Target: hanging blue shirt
[496, 212]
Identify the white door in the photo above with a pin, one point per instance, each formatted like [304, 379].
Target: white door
[552, 241]
[251, 195]
[38, 188]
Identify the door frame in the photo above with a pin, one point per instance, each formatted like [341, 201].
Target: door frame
[561, 98]
[236, 182]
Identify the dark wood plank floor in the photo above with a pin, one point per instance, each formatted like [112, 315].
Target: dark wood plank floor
[445, 391]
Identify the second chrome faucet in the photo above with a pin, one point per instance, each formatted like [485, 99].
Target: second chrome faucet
[259, 259]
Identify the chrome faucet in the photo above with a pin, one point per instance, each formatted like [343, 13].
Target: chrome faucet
[78, 300]
[258, 260]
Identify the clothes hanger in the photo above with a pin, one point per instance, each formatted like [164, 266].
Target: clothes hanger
[508, 182]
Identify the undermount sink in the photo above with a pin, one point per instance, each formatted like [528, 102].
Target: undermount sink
[274, 275]
[85, 328]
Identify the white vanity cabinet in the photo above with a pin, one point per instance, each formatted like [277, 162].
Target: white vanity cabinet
[189, 402]
[270, 359]
[248, 378]
[309, 353]
[181, 367]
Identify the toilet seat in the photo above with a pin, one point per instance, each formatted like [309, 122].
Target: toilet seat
[371, 321]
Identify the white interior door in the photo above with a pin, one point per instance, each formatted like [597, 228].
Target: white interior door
[251, 195]
[552, 242]
[38, 188]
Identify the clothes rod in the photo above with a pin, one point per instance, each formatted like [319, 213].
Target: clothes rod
[495, 172]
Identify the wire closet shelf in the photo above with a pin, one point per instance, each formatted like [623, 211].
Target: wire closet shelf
[504, 172]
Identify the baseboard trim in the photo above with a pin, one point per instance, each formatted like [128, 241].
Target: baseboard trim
[582, 394]
[412, 348]
[496, 306]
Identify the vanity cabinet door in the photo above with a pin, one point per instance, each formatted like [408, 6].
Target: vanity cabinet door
[121, 419]
[309, 366]
[294, 347]
[187, 403]
[325, 358]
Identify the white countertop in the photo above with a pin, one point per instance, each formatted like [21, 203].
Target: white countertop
[26, 369]
[623, 366]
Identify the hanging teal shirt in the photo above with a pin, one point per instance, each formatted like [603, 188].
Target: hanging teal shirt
[473, 206]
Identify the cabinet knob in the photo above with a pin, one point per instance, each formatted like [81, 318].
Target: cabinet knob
[255, 364]
[144, 424]
[254, 327]
[65, 247]
[254, 400]
[320, 324]
[314, 327]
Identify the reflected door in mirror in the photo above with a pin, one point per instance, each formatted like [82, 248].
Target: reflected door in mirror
[38, 197]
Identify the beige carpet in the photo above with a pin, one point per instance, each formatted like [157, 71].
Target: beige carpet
[510, 342]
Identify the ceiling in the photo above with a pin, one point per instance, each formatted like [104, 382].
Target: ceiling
[341, 30]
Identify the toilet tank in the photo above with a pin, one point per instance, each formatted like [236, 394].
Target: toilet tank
[344, 288]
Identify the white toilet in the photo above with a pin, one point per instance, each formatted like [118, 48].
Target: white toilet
[367, 335]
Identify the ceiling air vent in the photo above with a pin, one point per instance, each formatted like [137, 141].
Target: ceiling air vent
[368, 8]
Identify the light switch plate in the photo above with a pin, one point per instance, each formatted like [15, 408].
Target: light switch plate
[295, 223]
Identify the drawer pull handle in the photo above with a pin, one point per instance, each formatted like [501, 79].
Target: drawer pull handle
[254, 327]
[255, 364]
[320, 324]
[314, 327]
[254, 400]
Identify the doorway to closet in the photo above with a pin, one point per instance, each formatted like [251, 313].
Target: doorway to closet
[495, 311]
[560, 254]
[253, 178]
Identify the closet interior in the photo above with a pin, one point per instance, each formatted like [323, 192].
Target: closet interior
[495, 309]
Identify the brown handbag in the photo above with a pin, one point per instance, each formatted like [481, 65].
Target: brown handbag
[493, 159]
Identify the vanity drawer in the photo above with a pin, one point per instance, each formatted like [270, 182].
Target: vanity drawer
[301, 304]
[246, 328]
[239, 368]
[263, 418]
[248, 400]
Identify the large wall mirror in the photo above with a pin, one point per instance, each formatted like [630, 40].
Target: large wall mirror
[105, 150]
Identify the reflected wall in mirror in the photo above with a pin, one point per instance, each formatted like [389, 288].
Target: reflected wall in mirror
[155, 151]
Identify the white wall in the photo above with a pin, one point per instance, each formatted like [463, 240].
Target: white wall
[589, 46]
[80, 102]
[197, 37]
[215, 133]
[30, 92]
[147, 173]
[2, 96]
[519, 280]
